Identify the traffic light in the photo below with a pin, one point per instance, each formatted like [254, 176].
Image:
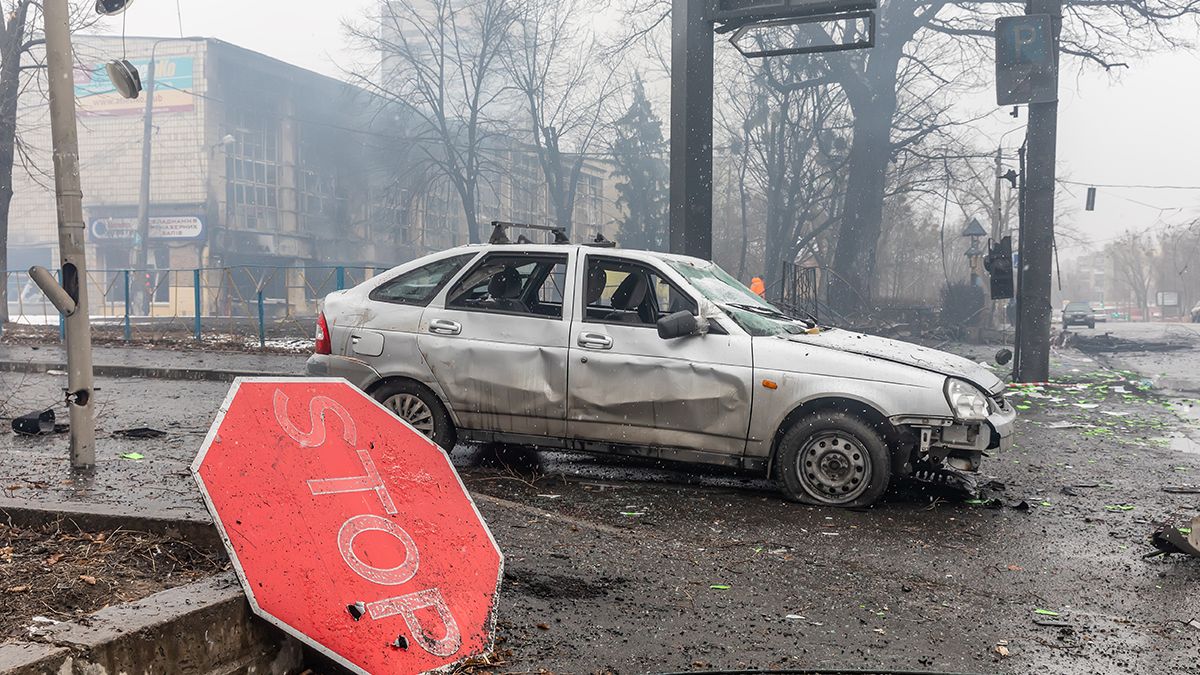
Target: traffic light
[999, 265]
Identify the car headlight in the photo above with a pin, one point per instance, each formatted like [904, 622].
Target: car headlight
[967, 402]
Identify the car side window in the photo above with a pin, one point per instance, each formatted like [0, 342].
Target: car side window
[521, 284]
[418, 287]
[629, 293]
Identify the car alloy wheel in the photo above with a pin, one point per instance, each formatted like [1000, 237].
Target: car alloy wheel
[413, 410]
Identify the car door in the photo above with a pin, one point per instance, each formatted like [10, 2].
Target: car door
[497, 342]
[628, 385]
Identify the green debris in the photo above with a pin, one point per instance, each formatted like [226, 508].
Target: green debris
[1046, 612]
[1045, 503]
[1118, 508]
[135, 456]
[720, 587]
[633, 513]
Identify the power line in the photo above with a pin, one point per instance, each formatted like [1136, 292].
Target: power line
[1133, 186]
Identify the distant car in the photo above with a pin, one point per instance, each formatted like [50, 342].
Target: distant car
[1078, 314]
[1100, 314]
[668, 357]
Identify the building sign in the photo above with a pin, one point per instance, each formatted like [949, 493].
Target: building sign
[173, 83]
[168, 227]
[1026, 63]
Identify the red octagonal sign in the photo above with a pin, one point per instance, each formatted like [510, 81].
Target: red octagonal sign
[348, 528]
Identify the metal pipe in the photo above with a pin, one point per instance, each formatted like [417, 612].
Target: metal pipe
[128, 327]
[71, 229]
[54, 292]
[196, 298]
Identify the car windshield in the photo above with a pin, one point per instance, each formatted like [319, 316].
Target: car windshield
[755, 315]
[1079, 307]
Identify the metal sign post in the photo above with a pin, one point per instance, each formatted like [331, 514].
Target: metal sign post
[692, 26]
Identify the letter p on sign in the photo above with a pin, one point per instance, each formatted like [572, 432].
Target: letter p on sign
[348, 528]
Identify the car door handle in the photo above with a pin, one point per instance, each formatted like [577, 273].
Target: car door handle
[595, 341]
[445, 327]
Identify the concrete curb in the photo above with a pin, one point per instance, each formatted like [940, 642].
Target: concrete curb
[197, 531]
[153, 372]
[203, 627]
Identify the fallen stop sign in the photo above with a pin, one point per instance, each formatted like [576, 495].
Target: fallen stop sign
[348, 528]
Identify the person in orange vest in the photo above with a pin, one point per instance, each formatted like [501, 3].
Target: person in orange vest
[759, 288]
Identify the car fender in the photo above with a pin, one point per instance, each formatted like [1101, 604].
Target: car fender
[787, 378]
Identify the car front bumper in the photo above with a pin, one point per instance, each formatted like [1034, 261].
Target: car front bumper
[358, 373]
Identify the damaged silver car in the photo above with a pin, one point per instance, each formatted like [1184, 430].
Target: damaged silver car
[648, 354]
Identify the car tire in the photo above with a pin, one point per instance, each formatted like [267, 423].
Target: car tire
[416, 404]
[833, 458]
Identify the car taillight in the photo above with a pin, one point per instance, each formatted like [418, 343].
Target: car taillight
[324, 344]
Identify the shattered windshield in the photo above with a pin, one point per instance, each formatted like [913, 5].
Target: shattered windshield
[750, 311]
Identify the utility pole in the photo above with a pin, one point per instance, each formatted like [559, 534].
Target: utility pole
[1037, 235]
[142, 242]
[71, 297]
[691, 128]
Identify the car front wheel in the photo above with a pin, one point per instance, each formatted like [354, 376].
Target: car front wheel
[419, 406]
[833, 458]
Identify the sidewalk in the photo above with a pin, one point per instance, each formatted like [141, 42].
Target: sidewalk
[167, 364]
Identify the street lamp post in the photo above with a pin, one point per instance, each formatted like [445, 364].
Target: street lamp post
[142, 240]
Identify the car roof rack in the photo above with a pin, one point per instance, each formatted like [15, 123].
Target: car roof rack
[599, 241]
[500, 233]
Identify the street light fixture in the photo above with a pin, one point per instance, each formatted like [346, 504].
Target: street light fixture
[112, 7]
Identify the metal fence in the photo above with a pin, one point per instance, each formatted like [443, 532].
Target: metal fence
[245, 305]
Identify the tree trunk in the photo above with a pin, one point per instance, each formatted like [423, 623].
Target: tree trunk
[862, 216]
[11, 40]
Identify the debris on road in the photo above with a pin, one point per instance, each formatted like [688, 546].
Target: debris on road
[1109, 343]
[34, 424]
[1171, 538]
[133, 456]
[1182, 489]
[140, 433]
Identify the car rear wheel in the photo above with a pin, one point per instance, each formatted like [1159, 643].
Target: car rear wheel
[833, 459]
[419, 406]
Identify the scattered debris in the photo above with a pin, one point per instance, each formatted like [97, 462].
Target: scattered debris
[133, 456]
[1171, 538]
[1110, 343]
[400, 642]
[140, 433]
[1118, 508]
[34, 423]
[1001, 648]
[357, 610]
[1182, 489]
[720, 587]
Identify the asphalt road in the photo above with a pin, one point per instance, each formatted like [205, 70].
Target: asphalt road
[612, 567]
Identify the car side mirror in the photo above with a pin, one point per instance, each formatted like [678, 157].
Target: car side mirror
[677, 325]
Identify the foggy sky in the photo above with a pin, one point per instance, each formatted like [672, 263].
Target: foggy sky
[1139, 129]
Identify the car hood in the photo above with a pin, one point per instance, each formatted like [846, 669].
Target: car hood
[904, 353]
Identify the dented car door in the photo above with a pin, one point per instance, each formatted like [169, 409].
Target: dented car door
[497, 343]
[629, 386]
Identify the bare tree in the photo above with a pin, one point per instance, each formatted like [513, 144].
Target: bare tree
[898, 91]
[442, 62]
[1132, 257]
[568, 87]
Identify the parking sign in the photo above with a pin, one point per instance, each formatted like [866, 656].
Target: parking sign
[1026, 63]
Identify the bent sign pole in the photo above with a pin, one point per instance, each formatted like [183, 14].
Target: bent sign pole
[349, 529]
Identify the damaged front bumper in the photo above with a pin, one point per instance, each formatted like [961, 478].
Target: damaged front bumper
[960, 444]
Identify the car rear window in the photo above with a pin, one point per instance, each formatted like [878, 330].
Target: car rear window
[417, 287]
